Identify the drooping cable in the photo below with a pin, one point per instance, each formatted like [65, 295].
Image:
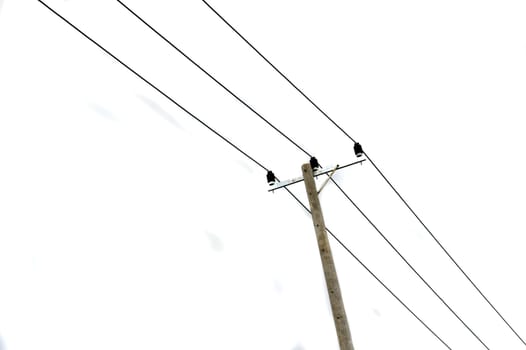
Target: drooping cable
[277, 70]
[281, 133]
[370, 272]
[300, 91]
[150, 84]
[445, 250]
[409, 264]
[240, 100]
[242, 152]
[406, 261]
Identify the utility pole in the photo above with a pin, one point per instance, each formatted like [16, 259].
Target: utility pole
[310, 170]
[329, 269]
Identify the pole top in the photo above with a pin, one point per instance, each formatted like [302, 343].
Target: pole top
[316, 173]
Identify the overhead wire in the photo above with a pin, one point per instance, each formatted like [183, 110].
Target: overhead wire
[302, 149]
[240, 100]
[372, 162]
[370, 272]
[445, 251]
[150, 84]
[410, 265]
[242, 152]
[277, 70]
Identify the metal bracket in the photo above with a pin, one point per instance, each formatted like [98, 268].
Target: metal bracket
[327, 180]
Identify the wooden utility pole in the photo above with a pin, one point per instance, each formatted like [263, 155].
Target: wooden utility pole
[329, 269]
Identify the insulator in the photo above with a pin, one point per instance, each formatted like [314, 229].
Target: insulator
[314, 164]
[271, 178]
[358, 150]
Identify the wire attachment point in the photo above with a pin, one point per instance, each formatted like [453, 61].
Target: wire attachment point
[358, 150]
[271, 178]
[314, 164]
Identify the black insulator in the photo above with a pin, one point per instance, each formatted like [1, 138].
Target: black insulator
[358, 149]
[314, 164]
[271, 178]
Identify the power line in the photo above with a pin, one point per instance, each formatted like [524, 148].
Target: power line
[410, 266]
[370, 272]
[445, 250]
[407, 262]
[294, 143]
[150, 84]
[240, 100]
[245, 154]
[277, 70]
[372, 162]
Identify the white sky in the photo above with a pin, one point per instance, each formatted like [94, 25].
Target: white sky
[126, 225]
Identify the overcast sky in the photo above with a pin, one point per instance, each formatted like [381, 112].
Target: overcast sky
[124, 224]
